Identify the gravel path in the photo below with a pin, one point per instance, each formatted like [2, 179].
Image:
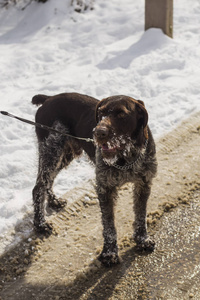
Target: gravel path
[64, 266]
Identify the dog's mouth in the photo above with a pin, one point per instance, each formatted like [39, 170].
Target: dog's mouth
[107, 148]
[110, 150]
[114, 147]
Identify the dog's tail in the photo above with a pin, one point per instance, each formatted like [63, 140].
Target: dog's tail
[39, 99]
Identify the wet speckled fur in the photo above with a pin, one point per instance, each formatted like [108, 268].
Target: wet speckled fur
[78, 115]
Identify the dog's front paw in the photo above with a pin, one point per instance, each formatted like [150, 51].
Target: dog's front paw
[144, 244]
[108, 258]
[44, 228]
[57, 204]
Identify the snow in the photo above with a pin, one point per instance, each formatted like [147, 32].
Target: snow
[49, 48]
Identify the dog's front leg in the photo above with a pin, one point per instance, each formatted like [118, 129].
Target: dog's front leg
[109, 255]
[141, 194]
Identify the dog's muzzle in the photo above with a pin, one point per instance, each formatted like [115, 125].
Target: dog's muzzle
[102, 137]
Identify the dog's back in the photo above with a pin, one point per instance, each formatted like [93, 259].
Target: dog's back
[73, 110]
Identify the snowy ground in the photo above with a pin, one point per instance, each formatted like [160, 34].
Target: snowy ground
[48, 48]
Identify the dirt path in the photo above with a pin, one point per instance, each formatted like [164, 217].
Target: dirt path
[64, 266]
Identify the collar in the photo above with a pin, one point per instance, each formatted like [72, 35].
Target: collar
[135, 163]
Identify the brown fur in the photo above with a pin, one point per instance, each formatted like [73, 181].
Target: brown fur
[125, 152]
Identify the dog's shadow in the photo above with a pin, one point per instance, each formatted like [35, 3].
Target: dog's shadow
[94, 283]
[102, 283]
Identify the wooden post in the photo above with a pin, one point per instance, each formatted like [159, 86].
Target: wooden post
[159, 14]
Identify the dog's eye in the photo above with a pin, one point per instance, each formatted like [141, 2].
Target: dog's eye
[101, 114]
[121, 114]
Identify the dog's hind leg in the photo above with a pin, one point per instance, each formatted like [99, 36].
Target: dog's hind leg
[51, 161]
[142, 192]
[64, 161]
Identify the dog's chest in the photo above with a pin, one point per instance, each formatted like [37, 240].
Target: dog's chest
[110, 176]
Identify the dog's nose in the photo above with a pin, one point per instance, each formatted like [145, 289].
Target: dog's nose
[101, 132]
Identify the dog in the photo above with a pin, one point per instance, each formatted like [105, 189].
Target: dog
[123, 151]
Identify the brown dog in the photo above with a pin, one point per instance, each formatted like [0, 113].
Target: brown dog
[125, 152]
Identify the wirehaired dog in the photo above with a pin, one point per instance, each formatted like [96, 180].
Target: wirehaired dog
[123, 151]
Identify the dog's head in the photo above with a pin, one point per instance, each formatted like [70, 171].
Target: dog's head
[121, 122]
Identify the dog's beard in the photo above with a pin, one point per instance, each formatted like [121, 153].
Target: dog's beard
[116, 147]
[110, 161]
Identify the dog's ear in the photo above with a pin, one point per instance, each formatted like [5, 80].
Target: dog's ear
[97, 108]
[143, 116]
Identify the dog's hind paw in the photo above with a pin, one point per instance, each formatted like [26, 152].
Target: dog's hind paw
[57, 204]
[44, 228]
[109, 259]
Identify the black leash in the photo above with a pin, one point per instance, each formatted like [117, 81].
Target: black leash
[5, 113]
